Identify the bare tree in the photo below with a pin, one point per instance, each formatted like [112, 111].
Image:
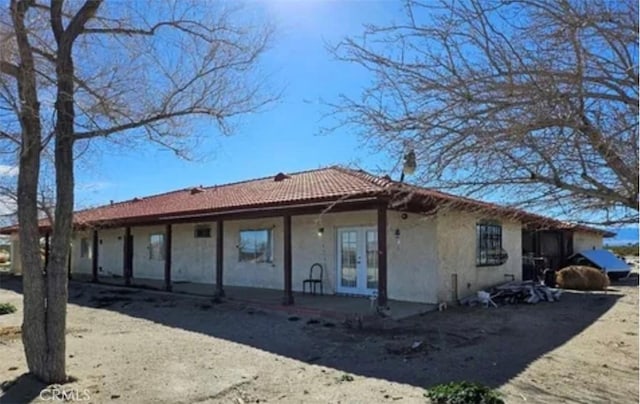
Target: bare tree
[535, 101]
[76, 71]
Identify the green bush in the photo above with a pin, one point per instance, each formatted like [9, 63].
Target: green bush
[7, 308]
[463, 393]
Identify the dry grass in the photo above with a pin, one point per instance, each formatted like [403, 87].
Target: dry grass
[582, 278]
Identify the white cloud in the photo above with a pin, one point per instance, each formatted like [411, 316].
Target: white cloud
[8, 171]
[93, 186]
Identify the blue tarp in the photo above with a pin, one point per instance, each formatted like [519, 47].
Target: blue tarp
[605, 260]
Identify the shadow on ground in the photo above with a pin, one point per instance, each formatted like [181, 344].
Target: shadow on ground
[490, 346]
[23, 389]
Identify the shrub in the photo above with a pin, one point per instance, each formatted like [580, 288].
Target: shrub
[463, 393]
[582, 278]
[7, 308]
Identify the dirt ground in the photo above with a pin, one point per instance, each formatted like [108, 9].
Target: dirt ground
[134, 346]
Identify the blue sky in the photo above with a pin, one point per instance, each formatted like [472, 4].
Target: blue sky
[284, 137]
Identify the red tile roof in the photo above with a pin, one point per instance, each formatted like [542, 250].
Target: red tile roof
[326, 184]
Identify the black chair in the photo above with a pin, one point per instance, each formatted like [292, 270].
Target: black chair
[312, 282]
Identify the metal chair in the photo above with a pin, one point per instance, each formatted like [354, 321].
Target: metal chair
[312, 282]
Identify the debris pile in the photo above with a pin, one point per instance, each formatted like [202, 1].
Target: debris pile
[513, 293]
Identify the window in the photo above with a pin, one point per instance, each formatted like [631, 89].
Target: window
[489, 245]
[256, 246]
[85, 248]
[202, 232]
[156, 246]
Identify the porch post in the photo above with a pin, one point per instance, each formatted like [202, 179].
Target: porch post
[536, 242]
[127, 256]
[167, 258]
[46, 250]
[288, 293]
[382, 255]
[94, 257]
[219, 258]
[563, 250]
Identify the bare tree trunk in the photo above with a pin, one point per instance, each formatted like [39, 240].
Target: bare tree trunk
[33, 327]
[57, 290]
[227, 53]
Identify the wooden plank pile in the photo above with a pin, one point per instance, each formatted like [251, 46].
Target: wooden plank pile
[513, 293]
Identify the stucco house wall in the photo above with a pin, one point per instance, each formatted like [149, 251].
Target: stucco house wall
[412, 272]
[110, 249]
[457, 255]
[143, 267]
[81, 265]
[193, 259]
[262, 274]
[309, 248]
[586, 241]
[423, 252]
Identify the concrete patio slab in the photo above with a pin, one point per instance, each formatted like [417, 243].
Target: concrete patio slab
[332, 306]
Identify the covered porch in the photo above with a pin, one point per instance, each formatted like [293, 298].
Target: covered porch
[223, 260]
[339, 307]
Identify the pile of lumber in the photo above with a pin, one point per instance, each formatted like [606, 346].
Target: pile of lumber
[513, 293]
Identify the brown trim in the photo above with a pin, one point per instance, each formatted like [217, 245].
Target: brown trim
[46, 250]
[288, 292]
[167, 258]
[569, 244]
[219, 258]
[382, 255]
[127, 256]
[94, 257]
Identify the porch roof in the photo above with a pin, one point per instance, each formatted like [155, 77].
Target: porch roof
[327, 188]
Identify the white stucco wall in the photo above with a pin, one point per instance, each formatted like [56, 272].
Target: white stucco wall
[457, 254]
[81, 265]
[262, 275]
[308, 248]
[412, 272]
[586, 241]
[193, 259]
[143, 267]
[411, 263]
[110, 252]
[420, 265]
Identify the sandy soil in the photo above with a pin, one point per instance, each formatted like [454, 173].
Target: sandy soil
[131, 346]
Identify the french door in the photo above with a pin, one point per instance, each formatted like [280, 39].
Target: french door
[357, 260]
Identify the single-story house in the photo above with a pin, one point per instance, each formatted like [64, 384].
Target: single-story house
[370, 234]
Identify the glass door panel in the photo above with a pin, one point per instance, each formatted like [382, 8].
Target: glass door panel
[348, 258]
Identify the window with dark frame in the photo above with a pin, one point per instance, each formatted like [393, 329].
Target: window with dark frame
[156, 246]
[202, 232]
[256, 246]
[489, 250]
[85, 248]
